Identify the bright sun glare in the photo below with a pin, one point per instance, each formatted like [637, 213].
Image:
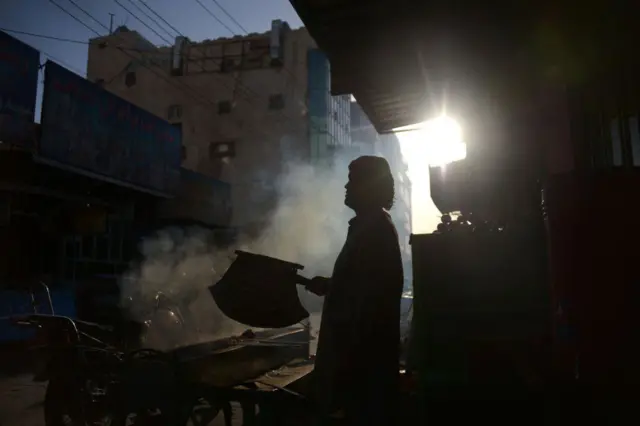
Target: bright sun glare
[435, 142]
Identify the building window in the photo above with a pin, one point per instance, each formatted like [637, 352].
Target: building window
[174, 112]
[224, 107]
[130, 79]
[183, 152]
[219, 150]
[276, 102]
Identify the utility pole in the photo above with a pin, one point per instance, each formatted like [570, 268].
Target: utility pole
[110, 23]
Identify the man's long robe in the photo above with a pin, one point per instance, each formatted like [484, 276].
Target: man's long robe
[357, 360]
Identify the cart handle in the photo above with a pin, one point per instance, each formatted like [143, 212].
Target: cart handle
[38, 320]
[48, 293]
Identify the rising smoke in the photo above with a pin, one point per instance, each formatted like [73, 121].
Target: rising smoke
[310, 223]
[308, 227]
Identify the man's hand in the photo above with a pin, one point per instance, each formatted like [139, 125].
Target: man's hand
[318, 286]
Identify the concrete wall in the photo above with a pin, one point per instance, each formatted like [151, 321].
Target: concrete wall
[256, 132]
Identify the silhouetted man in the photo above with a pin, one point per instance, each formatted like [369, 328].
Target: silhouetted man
[357, 360]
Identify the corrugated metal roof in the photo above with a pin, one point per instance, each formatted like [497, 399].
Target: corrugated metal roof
[401, 58]
[377, 51]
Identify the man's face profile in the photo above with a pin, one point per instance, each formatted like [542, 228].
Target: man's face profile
[354, 192]
[348, 194]
[370, 184]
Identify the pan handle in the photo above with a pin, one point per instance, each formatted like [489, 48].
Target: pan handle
[300, 280]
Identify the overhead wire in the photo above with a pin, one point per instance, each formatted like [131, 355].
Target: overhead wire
[67, 40]
[150, 18]
[201, 67]
[101, 35]
[292, 74]
[86, 13]
[74, 41]
[170, 82]
[246, 32]
[160, 17]
[168, 42]
[136, 17]
[214, 16]
[236, 79]
[141, 21]
[75, 18]
[183, 87]
[249, 90]
[45, 53]
[230, 16]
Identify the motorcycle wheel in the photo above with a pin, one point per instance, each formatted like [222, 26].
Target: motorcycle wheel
[63, 406]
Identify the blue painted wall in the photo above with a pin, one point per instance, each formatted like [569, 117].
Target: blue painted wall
[16, 302]
[329, 116]
[92, 130]
[19, 65]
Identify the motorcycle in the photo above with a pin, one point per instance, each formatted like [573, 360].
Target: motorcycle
[90, 381]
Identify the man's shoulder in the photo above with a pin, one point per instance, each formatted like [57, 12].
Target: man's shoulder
[380, 226]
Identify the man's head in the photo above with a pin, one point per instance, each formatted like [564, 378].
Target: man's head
[370, 184]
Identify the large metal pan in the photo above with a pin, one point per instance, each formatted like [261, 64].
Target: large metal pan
[221, 363]
[260, 291]
[230, 362]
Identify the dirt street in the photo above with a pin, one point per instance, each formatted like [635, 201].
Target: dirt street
[21, 401]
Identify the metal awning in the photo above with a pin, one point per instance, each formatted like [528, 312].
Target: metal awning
[402, 60]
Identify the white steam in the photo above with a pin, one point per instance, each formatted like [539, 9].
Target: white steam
[182, 264]
[307, 227]
[310, 223]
